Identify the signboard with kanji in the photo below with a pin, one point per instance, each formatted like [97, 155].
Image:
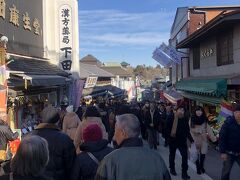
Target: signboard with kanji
[66, 41]
[90, 82]
[22, 23]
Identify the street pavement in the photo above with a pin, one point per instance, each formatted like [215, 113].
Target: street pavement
[213, 165]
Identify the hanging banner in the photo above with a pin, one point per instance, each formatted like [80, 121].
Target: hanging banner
[66, 40]
[171, 52]
[3, 89]
[79, 84]
[3, 101]
[161, 57]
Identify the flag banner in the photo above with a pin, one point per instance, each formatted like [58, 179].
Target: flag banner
[3, 101]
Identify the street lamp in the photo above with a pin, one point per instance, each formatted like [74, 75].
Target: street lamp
[4, 41]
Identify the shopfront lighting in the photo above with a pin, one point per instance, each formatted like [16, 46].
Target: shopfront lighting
[4, 41]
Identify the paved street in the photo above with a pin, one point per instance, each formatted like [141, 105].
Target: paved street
[213, 166]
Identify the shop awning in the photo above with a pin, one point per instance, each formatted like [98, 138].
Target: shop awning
[44, 80]
[209, 87]
[173, 96]
[202, 99]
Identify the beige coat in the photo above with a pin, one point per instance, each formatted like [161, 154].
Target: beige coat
[90, 120]
[200, 134]
[70, 124]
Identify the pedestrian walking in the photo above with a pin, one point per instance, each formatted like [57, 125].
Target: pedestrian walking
[30, 160]
[163, 125]
[70, 123]
[61, 148]
[178, 132]
[169, 118]
[229, 143]
[124, 163]
[93, 149]
[200, 131]
[91, 116]
[152, 121]
[6, 135]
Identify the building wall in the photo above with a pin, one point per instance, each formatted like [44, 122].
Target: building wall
[52, 32]
[197, 20]
[208, 65]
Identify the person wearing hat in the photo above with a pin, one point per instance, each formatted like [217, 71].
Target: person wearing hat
[93, 149]
[61, 149]
[229, 142]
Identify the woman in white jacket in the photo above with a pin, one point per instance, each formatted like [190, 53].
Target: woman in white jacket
[200, 131]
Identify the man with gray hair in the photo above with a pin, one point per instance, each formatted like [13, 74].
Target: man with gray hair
[131, 161]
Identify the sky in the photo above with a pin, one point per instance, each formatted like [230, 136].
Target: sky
[129, 30]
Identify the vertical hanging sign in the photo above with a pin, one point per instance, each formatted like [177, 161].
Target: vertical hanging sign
[3, 88]
[66, 41]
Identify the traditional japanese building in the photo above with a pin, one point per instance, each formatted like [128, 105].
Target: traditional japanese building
[41, 53]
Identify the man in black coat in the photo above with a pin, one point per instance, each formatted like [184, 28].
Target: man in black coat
[61, 149]
[93, 150]
[229, 143]
[6, 135]
[178, 132]
[152, 122]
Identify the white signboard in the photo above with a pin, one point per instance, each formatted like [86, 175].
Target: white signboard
[91, 82]
[161, 57]
[171, 52]
[66, 40]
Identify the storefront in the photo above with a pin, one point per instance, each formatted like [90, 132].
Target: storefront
[32, 80]
[211, 94]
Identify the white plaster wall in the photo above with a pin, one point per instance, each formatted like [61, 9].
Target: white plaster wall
[208, 66]
[52, 32]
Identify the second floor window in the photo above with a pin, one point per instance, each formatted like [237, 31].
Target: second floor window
[225, 48]
[196, 57]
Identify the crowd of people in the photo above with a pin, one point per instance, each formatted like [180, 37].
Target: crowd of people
[105, 141]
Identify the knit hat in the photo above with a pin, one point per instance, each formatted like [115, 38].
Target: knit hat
[92, 133]
[48, 114]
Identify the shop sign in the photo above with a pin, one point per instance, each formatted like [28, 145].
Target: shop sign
[15, 18]
[206, 53]
[66, 40]
[91, 82]
[21, 22]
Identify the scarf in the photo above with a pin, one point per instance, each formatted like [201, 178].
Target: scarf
[174, 127]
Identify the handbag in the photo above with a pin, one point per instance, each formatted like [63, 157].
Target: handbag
[194, 153]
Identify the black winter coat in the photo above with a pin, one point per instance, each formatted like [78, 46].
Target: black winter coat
[6, 135]
[230, 136]
[17, 177]
[182, 133]
[156, 120]
[84, 167]
[61, 151]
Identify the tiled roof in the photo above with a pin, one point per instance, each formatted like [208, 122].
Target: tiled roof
[87, 70]
[38, 67]
[117, 71]
[90, 59]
